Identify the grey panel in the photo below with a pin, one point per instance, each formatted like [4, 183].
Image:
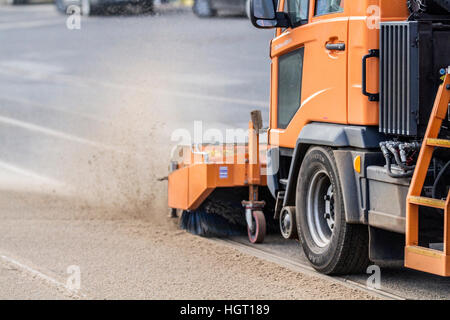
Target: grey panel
[350, 184]
[412, 54]
[336, 135]
[332, 135]
[387, 200]
[354, 184]
[399, 94]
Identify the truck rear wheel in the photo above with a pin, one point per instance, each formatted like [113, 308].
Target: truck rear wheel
[330, 244]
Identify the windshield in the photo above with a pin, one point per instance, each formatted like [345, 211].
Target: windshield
[298, 11]
[328, 6]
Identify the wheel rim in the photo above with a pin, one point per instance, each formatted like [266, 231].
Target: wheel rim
[320, 209]
[254, 230]
[285, 222]
[202, 7]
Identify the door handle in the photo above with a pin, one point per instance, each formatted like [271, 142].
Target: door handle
[373, 53]
[335, 46]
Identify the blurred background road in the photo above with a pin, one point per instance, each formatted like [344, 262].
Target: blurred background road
[87, 123]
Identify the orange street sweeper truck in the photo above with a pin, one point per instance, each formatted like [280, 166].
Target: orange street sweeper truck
[356, 165]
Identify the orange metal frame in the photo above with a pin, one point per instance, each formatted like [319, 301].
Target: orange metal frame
[198, 174]
[416, 257]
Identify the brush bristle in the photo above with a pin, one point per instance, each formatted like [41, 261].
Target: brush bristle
[209, 225]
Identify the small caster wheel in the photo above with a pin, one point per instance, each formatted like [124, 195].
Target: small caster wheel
[173, 213]
[257, 232]
[288, 224]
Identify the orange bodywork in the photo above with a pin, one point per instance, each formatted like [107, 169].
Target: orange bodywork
[332, 80]
[200, 172]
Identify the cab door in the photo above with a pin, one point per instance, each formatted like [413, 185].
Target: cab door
[309, 69]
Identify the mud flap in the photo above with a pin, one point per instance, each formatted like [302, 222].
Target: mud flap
[386, 248]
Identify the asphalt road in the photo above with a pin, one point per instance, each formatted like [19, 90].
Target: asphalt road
[88, 119]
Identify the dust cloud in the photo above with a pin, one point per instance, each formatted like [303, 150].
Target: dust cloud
[122, 174]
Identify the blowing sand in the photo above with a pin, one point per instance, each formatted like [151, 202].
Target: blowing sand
[111, 220]
[118, 218]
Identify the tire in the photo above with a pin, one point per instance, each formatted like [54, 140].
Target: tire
[331, 245]
[258, 234]
[203, 8]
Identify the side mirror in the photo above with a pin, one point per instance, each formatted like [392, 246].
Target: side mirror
[264, 15]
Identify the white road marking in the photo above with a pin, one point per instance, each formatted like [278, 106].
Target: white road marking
[54, 133]
[15, 69]
[31, 24]
[35, 273]
[214, 98]
[30, 174]
[48, 107]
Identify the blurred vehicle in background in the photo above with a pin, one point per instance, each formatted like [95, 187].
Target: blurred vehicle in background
[16, 2]
[210, 8]
[96, 6]
[19, 2]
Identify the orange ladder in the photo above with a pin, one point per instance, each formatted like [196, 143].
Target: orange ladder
[416, 257]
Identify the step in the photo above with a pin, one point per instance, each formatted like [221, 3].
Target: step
[440, 143]
[427, 260]
[425, 251]
[427, 202]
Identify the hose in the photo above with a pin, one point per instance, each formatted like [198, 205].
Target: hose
[387, 150]
[438, 178]
[398, 160]
[408, 174]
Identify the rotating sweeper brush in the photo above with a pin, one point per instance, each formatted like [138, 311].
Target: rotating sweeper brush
[218, 216]
[218, 188]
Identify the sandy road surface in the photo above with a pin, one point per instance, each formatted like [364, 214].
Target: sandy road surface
[86, 121]
[134, 258]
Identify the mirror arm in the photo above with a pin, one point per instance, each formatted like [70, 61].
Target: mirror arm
[283, 20]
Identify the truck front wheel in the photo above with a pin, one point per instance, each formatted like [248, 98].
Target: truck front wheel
[330, 244]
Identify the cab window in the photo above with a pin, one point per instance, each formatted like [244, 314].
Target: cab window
[290, 74]
[328, 6]
[297, 11]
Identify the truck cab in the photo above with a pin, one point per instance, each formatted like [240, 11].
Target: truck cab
[316, 64]
[348, 99]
